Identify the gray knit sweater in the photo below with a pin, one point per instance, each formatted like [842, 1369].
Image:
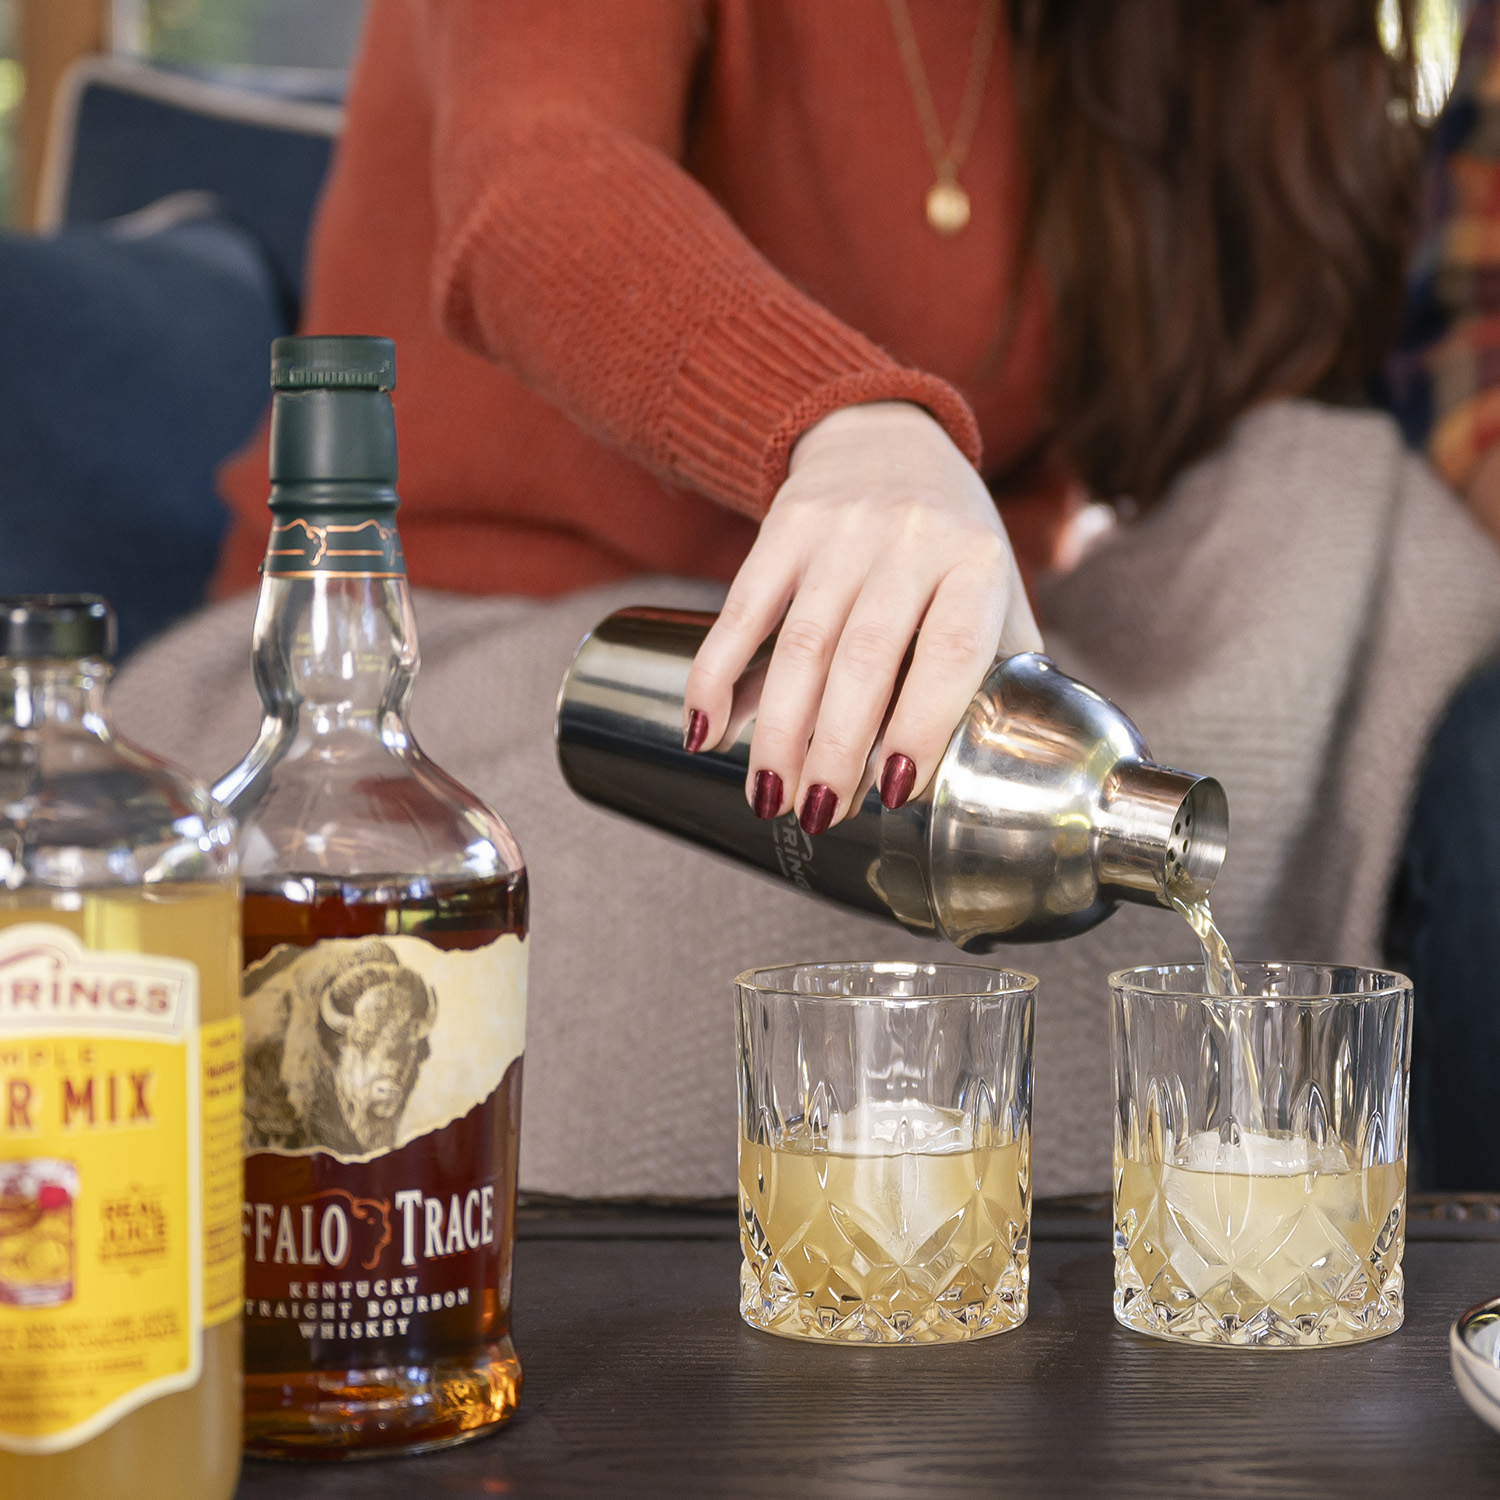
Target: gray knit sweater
[1291, 619]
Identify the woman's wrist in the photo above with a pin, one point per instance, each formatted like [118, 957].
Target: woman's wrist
[902, 420]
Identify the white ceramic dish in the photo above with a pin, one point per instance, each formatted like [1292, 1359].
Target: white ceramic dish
[1474, 1345]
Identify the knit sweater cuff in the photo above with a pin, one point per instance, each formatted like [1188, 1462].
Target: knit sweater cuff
[747, 392]
[609, 282]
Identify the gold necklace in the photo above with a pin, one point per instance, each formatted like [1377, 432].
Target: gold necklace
[947, 202]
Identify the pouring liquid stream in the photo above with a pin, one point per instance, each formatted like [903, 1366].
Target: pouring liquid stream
[1243, 1076]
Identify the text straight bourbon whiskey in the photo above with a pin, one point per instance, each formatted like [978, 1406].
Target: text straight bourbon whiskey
[120, 1288]
[384, 990]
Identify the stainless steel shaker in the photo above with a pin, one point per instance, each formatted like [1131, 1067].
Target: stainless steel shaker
[1045, 813]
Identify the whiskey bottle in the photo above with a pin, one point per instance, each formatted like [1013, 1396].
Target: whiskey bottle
[384, 987]
[119, 1090]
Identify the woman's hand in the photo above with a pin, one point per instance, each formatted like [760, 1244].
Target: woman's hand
[882, 531]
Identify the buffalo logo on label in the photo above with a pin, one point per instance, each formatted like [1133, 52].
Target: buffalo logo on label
[331, 1055]
[357, 1045]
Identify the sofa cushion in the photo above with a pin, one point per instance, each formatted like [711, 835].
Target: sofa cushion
[131, 364]
[129, 134]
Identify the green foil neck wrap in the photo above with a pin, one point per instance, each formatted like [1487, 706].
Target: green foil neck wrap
[333, 486]
[353, 542]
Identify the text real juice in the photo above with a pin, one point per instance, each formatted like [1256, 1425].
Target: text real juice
[384, 988]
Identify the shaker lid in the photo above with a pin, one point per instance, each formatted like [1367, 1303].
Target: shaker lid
[57, 626]
[326, 363]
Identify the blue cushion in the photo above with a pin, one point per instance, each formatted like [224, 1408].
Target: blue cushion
[130, 149]
[129, 369]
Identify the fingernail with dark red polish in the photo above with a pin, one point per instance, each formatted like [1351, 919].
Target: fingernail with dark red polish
[817, 809]
[896, 780]
[767, 794]
[696, 732]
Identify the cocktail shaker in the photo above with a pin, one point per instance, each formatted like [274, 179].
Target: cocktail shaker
[1045, 812]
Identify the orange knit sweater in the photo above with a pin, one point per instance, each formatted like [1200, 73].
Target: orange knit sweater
[631, 249]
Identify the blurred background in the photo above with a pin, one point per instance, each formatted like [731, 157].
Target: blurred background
[299, 47]
[296, 47]
[160, 163]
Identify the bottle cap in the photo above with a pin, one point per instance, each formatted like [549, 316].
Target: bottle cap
[57, 626]
[346, 363]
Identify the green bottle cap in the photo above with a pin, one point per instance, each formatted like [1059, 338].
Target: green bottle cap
[346, 363]
[39, 627]
[333, 459]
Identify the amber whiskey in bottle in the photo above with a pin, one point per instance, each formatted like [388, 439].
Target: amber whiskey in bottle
[384, 987]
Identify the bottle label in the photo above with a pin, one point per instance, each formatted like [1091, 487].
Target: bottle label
[334, 542]
[117, 1239]
[382, 1113]
[221, 1080]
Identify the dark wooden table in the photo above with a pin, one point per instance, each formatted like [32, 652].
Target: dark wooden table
[642, 1381]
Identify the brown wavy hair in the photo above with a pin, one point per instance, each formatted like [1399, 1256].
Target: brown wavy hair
[1223, 193]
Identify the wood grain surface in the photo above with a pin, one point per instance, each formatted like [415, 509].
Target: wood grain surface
[641, 1381]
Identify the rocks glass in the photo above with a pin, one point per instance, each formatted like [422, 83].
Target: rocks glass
[1260, 1154]
[884, 1151]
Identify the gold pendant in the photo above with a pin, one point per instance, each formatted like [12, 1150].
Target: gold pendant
[947, 206]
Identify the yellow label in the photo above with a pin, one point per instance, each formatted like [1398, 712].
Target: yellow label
[103, 1179]
[219, 1051]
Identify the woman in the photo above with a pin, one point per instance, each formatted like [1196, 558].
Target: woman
[644, 262]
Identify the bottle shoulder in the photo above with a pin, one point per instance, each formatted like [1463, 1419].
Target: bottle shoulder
[81, 807]
[348, 805]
